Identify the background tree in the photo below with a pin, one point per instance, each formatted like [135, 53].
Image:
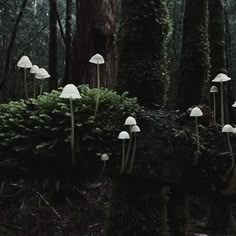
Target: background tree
[195, 60]
[95, 34]
[143, 35]
[53, 44]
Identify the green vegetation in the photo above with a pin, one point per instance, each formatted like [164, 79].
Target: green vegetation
[40, 128]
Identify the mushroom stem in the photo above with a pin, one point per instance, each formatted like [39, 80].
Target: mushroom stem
[133, 155]
[34, 86]
[123, 157]
[41, 87]
[72, 132]
[214, 107]
[197, 134]
[98, 93]
[103, 169]
[128, 148]
[232, 155]
[222, 103]
[25, 84]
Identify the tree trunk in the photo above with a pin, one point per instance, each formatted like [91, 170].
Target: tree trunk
[11, 44]
[142, 38]
[53, 81]
[194, 62]
[95, 34]
[68, 60]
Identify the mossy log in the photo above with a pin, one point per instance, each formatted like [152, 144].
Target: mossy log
[167, 159]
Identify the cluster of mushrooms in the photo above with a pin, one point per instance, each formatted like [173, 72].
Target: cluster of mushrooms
[131, 136]
[39, 73]
[226, 128]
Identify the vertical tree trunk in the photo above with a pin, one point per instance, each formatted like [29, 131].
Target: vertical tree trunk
[194, 61]
[11, 44]
[143, 34]
[95, 34]
[53, 81]
[68, 60]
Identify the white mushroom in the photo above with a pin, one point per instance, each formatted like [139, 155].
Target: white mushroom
[123, 135]
[71, 92]
[104, 158]
[25, 63]
[214, 90]
[196, 112]
[97, 59]
[220, 78]
[134, 130]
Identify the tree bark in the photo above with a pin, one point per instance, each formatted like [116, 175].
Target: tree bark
[68, 59]
[142, 38]
[53, 82]
[95, 34]
[195, 60]
[11, 44]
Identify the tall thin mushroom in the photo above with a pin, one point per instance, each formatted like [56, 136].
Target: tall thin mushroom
[220, 78]
[130, 121]
[71, 92]
[196, 112]
[42, 74]
[25, 63]
[135, 129]
[229, 129]
[214, 90]
[123, 135]
[34, 70]
[97, 59]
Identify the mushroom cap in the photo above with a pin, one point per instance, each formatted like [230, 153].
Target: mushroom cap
[70, 91]
[97, 59]
[104, 157]
[234, 105]
[196, 111]
[135, 129]
[130, 121]
[227, 129]
[123, 135]
[234, 130]
[221, 78]
[213, 89]
[34, 69]
[24, 62]
[42, 74]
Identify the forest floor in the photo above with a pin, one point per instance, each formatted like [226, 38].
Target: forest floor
[28, 210]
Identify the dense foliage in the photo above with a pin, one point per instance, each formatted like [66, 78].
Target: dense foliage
[40, 128]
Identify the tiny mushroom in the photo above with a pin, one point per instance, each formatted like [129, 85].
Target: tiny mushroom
[123, 135]
[135, 129]
[220, 78]
[104, 158]
[214, 90]
[71, 92]
[25, 63]
[234, 105]
[97, 59]
[196, 112]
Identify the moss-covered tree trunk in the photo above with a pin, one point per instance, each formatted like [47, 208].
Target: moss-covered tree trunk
[194, 62]
[96, 26]
[138, 207]
[142, 38]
